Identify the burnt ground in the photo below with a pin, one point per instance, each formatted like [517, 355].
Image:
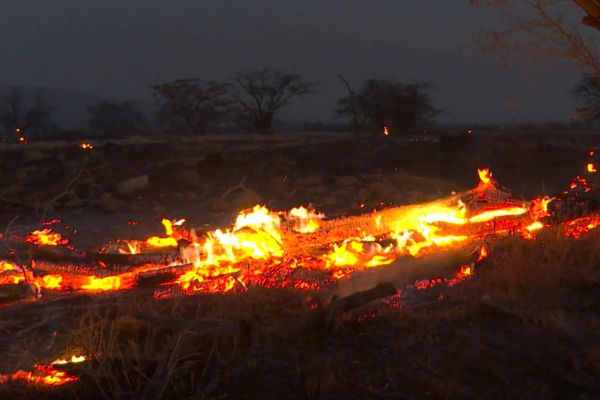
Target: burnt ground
[525, 327]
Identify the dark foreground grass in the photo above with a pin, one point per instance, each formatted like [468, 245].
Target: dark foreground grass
[527, 326]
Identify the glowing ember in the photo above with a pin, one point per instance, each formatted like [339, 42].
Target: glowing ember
[577, 227]
[579, 183]
[591, 168]
[539, 207]
[43, 375]
[265, 247]
[483, 253]
[465, 272]
[46, 237]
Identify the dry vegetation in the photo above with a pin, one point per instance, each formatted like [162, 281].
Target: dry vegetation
[527, 326]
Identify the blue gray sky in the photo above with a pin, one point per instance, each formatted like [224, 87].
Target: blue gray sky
[119, 48]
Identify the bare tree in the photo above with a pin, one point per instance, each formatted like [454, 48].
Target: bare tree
[349, 106]
[10, 113]
[192, 105]
[545, 28]
[263, 92]
[116, 119]
[387, 103]
[19, 119]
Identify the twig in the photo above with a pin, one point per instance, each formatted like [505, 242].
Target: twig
[238, 186]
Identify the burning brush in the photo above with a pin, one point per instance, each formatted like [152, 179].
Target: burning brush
[299, 249]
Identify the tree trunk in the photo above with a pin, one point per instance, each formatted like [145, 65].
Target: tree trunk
[263, 123]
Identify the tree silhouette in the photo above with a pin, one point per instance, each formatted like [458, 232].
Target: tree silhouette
[192, 105]
[262, 93]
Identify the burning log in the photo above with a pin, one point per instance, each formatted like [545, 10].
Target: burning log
[51, 253]
[161, 274]
[76, 268]
[468, 212]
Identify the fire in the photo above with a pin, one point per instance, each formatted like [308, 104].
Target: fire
[265, 247]
[282, 249]
[359, 253]
[386, 131]
[46, 237]
[255, 236]
[591, 168]
[465, 272]
[483, 253]
[171, 239]
[259, 218]
[47, 375]
[53, 281]
[304, 220]
[86, 146]
[73, 360]
[109, 283]
[539, 207]
[44, 375]
[501, 212]
[579, 183]
[6, 266]
[577, 227]
[10, 273]
[485, 176]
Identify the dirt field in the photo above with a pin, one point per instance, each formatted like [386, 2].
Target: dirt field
[526, 326]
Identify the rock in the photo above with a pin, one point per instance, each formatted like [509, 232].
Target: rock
[131, 185]
[111, 204]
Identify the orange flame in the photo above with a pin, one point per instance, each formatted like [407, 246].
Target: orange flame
[591, 168]
[46, 237]
[304, 220]
[485, 176]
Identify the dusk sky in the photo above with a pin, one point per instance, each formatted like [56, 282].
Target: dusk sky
[119, 48]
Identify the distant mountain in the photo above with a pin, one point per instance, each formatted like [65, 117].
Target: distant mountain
[70, 106]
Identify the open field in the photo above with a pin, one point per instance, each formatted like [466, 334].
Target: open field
[526, 325]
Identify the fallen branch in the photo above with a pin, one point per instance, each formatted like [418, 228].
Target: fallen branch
[17, 291]
[324, 316]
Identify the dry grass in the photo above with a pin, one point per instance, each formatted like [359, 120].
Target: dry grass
[526, 327]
